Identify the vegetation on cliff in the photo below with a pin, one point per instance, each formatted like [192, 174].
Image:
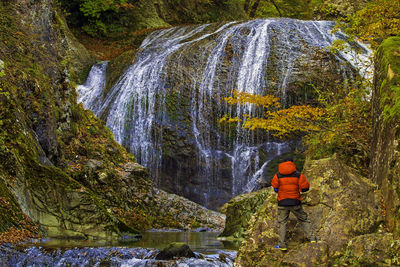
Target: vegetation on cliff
[59, 165]
[114, 18]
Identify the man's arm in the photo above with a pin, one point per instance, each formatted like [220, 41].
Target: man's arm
[275, 183]
[304, 185]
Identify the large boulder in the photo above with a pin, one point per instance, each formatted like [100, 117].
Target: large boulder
[341, 205]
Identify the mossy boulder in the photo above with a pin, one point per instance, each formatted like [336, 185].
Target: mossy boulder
[341, 205]
[239, 211]
[385, 163]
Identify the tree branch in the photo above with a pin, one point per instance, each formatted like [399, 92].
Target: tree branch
[277, 8]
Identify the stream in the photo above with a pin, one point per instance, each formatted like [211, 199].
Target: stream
[55, 252]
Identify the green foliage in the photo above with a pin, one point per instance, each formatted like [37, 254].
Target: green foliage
[281, 8]
[347, 129]
[97, 17]
[329, 10]
[2, 71]
[376, 22]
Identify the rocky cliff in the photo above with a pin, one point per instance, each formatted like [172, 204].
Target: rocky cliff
[385, 157]
[59, 165]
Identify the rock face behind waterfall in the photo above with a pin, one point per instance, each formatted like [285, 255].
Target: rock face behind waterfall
[341, 204]
[166, 106]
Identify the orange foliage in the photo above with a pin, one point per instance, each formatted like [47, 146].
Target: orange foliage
[287, 121]
[126, 6]
[104, 49]
[244, 98]
[27, 230]
[280, 122]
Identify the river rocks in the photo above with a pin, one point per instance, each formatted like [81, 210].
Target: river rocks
[341, 205]
[105, 256]
[175, 250]
[385, 163]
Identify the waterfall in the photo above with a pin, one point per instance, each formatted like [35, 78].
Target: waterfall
[166, 106]
[89, 93]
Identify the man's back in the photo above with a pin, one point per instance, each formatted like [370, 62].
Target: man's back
[288, 182]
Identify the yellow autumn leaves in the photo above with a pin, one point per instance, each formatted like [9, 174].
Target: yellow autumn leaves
[279, 122]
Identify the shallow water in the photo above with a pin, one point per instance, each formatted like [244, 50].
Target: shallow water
[202, 242]
[208, 251]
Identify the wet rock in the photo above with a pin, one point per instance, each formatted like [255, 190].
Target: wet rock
[105, 256]
[175, 250]
[94, 164]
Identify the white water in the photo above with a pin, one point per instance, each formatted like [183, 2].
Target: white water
[135, 106]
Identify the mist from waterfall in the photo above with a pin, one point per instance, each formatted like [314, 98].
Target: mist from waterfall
[232, 56]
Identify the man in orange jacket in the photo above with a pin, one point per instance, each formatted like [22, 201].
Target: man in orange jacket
[289, 183]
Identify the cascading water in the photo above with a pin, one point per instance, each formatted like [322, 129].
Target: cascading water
[166, 106]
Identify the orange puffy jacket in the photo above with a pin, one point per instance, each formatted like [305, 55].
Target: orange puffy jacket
[288, 182]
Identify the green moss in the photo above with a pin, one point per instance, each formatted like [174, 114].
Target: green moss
[239, 211]
[117, 67]
[389, 75]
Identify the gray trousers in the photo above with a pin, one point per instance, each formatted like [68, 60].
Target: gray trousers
[283, 216]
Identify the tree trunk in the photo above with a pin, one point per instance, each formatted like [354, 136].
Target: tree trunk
[246, 6]
[254, 8]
